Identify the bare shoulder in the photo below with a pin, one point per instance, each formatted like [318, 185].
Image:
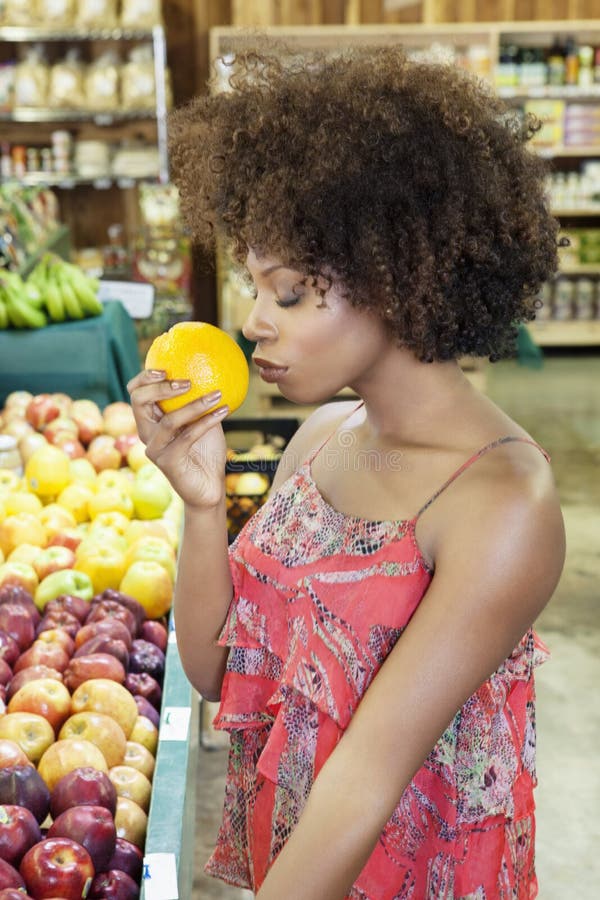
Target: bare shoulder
[506, 526]
[313, 431]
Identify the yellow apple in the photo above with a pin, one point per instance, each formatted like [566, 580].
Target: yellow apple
[21, 501]
[113, 478]
[109, 697]
[103, 535]
[131, 783]
[24, 553]
[131, 822]
[9, 481]
[104, 564]
[139, 757]
[83, 472]
[47, 472]
[20, 574]
[145, 732]
[29, 443]
[21, 528]
[101, 730]
[151, 585]
[136, 455]
[55, 518]
[112, 519]
[32, 732]
[110, 499]
[154, 549]
[119, 419]
[66, 755]
[151, 493]
[139, 528]
[75, 497]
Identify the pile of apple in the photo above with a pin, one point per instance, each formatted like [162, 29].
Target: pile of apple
[87, 563]
[81, 682]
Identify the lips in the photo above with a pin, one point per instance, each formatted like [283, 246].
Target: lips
[269, 371]
[265, 364]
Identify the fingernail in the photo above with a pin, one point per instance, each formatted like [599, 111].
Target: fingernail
[212, 398]
[156, 373]
[179, 385]
[220, 412]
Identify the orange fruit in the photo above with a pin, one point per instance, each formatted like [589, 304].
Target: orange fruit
[205, 355]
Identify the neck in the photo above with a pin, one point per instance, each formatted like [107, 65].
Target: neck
[411, 402]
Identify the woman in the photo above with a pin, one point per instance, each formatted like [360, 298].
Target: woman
[369, 633]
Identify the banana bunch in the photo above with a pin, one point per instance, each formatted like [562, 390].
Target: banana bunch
[55, 291]
[21, 303]
[66, 291]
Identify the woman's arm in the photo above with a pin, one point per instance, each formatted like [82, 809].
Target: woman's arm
[496, 569]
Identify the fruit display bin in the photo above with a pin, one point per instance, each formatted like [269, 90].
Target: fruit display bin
[169, 851]
[242, 434]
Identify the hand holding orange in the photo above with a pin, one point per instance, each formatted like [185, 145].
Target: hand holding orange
[206, 356]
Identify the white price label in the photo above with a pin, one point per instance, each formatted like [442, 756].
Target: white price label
[160, 877]
[136, 296]
[175, 723]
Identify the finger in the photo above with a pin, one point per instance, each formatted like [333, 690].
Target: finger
[148, 394]
[180, 418]
[192, 433]
[146, 376]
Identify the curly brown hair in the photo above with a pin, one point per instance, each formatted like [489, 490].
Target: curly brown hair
[409, 182]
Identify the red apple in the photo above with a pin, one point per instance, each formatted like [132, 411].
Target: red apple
[77, 606]
[113, 885]
[57, 867]
[131, 603]
[83, 786]
[23, 786]
[144, 685]
[156, 633]
[127, 858]
[66, 537]
[96, 665]
[106, 609]
[30, 673]
[16, 594]
[10, 878]
[109, 626]
[104, 643]
[91, 826]
[50, 635]
[16, 893]
[53, 559]
[16, 621]
[63, 401]
[19, 831]
[43, 654]
[46, 697]
[20, 574]
[119, 419]
[89, 419]
[9, 649]
[5, 672]
[57, 619]
[147, 657]
[103, 454]
[11, 754]
[41, 410]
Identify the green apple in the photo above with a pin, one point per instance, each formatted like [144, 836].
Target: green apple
[66, 581]
[151, 492]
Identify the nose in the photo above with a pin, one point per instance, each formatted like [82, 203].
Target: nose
[259, 326]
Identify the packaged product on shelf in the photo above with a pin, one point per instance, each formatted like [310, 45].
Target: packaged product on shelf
[17, 12]
[102, 82]
[67, 87]
[97, 14]
[584, 303]
[32, 75]
[545, 311]
[551, 113]
[138, 90]
[56, 13]
[140, 13]
[136, 161]
[563, 299]
[92, 159]
[62, 144]
[7, 86]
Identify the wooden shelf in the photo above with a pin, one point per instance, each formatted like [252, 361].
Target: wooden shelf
[565, 334]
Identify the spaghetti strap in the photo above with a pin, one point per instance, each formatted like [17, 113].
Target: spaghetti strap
[329, 436]
[497, 443]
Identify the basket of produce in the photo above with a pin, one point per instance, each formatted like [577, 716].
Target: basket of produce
[255, 447]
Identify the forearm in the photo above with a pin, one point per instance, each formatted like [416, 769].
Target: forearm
[203, 593]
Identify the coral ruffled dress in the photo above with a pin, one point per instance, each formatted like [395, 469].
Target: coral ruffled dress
[320, 599]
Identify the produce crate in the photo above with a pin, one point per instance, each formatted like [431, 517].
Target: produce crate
[169, 852]
[242, 434]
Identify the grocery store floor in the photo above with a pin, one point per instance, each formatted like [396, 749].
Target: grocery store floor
[560, 406]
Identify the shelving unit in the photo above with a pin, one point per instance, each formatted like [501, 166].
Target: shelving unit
[33, 125]
[487, 37]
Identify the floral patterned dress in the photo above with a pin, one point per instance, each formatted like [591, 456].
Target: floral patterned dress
[320, 599]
